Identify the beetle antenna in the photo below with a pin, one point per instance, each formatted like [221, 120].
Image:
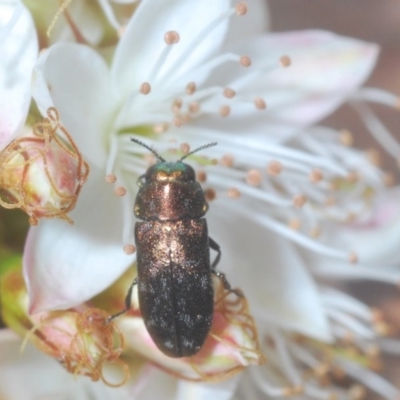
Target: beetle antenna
[198, 149]
[148, 148]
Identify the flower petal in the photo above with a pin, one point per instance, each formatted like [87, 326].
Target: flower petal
[42, 376]
[65, 265]
[270, 272]
[75, 79]
[141, 45]
[18, 49]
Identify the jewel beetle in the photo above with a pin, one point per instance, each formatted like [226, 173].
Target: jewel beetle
[174, 272]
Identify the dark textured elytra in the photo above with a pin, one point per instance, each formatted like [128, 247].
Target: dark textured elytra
[173, 257]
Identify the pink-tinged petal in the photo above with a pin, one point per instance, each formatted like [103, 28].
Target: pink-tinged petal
[141, 45]
[325, 69]
[271, 273]
[76, 80]
[43, 377]
[18, 50]
[65, 265]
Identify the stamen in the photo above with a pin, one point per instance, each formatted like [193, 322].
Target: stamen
[120, 191]
[234, 193]
[379, 96]
[201, 176]
[299, 200]
[254, 177]
[177, 121]
[346, 138]
[171, 37]
[160, 128]
[285, 61]
[194, 107]
[145, 88]
[316, 176]
[274, 168]
[112, 155]
[210, 194]
[190, 88]
[185, 148]
[260, 103]
[111, 178]
[241, 9]
[129, 249]
[245, 61]
[295, 224]
[224, 111]
[229, 93]
[227, 160]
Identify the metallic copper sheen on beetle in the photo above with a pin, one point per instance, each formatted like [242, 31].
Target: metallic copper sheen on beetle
[175, 288]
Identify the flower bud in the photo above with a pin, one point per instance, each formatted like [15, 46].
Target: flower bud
[42, 173]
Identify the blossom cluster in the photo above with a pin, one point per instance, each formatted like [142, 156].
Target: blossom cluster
[298, 211]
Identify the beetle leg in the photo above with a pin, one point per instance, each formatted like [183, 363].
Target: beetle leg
[215, 246]
[127, 302]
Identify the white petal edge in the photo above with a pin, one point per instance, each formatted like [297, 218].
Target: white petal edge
[65, 265]
[19, 50]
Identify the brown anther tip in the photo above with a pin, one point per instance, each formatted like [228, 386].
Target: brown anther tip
[229, 93]
[120, 191]
[285, 61]
[254, 177]
[241, 9]
[177, 121]
[227, 160]
[224, 111]
[357, 392]
[353, 258]
[260, 103]
[352, 177]
[374, 157]
[245, 61]
[190, 88]
[129, 249]
[316, 176]
[171, 37]
[194, 107]
[388, 179]
[345, 137]
[315, 232]
[121, 31]
[201, 176]
[210, 194]
[145, 88]
[185, 148]
[274, 168]
[160, 128]
[294, 224]
[111, 178]
[299, 200]
[214, 161]
[234, 193]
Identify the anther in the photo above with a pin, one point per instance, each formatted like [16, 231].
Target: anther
[388, 179]
[194, 107]
[224, 111]
[145, 88]
[374, 157]
[315, 232]
[229, 93]
[111, 178]
[285, 61]
[177, 121]
[260, 103]
[176, 106]
[129, 249]
[171, 37]
[345, 137]
[299, 200]
[316, 176]
[241, 9]
[254, 177]
[295, 224]
[357, 392]
[201, 176]
[274, 168]
[190, 88]
[160, 128]
[210, 194]
[353, 258]
[121, 31]
[120, 191]
[352, 177]
[234, 193]
[227, 160]
[245, 61]
[185, 148]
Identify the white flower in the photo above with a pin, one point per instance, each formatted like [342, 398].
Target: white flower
[179, 78]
